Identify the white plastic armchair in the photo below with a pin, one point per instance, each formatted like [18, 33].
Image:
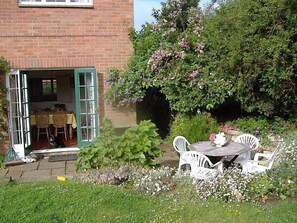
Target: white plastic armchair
[258, 165]
[201, 167]
[249, 140]
[252, 142]
[180, 144]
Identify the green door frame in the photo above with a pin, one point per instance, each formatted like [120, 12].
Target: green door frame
[86, 105]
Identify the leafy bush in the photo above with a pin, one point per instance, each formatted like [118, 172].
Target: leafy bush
[244, 52]
[263, 127]
[195, 128]
[102, 151]
[138, 144]
[276, 125]
[261, 186]
[249, 44]
[284, 175]
[282, 179]
[4, 69]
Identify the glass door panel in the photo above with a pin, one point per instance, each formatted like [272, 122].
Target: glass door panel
[19, 123]
[86, 104]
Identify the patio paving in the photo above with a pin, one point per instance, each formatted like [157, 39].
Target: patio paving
[43, 170]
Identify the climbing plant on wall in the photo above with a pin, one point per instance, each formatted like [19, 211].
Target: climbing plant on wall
[4, 69]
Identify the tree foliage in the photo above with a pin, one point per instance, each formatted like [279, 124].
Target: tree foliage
[244, 51]
[166, 57]
[253, 45]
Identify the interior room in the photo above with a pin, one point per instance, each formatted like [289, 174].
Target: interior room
[51, 91]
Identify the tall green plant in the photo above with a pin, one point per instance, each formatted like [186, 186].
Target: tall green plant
[102, 151]
[137, 145]
[196, 128]
[140, 144]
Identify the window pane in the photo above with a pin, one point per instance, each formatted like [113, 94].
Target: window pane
[46, 87]
[49, 86]
[54, 86]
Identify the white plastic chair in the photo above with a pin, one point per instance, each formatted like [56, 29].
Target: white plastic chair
[180, 144]
[201, 166]
[258, 165]
[252, 142]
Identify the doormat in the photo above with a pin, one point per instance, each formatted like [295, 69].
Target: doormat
[62, 157]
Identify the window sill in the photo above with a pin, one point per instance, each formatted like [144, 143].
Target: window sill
[54, 5]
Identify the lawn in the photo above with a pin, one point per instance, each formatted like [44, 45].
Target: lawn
[77, 202]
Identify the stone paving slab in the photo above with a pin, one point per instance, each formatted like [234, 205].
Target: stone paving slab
[3, 172]
[25, 167]
[14, 175]
[70, 167]
[51, 165]
[36, 175]
[58, 172]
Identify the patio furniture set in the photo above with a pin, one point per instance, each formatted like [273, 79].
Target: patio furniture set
[206, 160]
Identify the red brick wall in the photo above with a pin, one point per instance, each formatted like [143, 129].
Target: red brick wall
[45, 38]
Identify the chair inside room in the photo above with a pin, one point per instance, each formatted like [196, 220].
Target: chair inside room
[42, 124]
[201, 166]
[60, 123]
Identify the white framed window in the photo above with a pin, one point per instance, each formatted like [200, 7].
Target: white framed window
[56, 3]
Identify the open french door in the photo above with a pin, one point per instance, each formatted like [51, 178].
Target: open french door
[19, 123]
[86, 105]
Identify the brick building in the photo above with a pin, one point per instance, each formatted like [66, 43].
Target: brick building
[59, 52]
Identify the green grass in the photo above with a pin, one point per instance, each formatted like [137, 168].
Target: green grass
[76, 202]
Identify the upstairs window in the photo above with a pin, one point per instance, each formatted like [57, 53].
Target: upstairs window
[56, 3]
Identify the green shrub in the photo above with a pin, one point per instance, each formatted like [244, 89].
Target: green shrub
[277, 126]
[101, 151]
[261, 186]
[285, 173]
[138, 144]
[281, 180]
[195, 128]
